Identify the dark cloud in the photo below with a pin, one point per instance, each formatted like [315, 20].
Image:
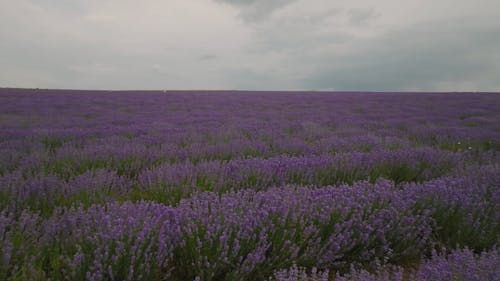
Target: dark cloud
[438, 56]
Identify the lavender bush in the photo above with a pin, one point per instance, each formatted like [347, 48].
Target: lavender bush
[456, 265]
[248, 186]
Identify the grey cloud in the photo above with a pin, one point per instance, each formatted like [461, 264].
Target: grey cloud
[283, 44]
[361, 16]
[298, 34]
[257, 10]
[443, 56]
[254, 79]
[207, 57]
[63, 8]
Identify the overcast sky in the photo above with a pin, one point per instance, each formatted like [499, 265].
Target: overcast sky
[382, 45]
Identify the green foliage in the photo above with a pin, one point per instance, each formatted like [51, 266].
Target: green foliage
[52, 143]
[457, 227]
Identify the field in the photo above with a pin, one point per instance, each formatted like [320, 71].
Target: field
[249, 186]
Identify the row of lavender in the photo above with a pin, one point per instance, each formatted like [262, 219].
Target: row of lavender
[168, 183]
[244, 186]
[454, 265]
[248, 235]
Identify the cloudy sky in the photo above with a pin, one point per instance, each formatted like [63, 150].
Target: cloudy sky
[383, 45]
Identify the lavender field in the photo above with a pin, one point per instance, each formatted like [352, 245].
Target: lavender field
[249, 186]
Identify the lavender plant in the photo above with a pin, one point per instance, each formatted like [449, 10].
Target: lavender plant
[248, 186]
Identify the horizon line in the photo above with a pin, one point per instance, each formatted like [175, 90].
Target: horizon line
[243, 91]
